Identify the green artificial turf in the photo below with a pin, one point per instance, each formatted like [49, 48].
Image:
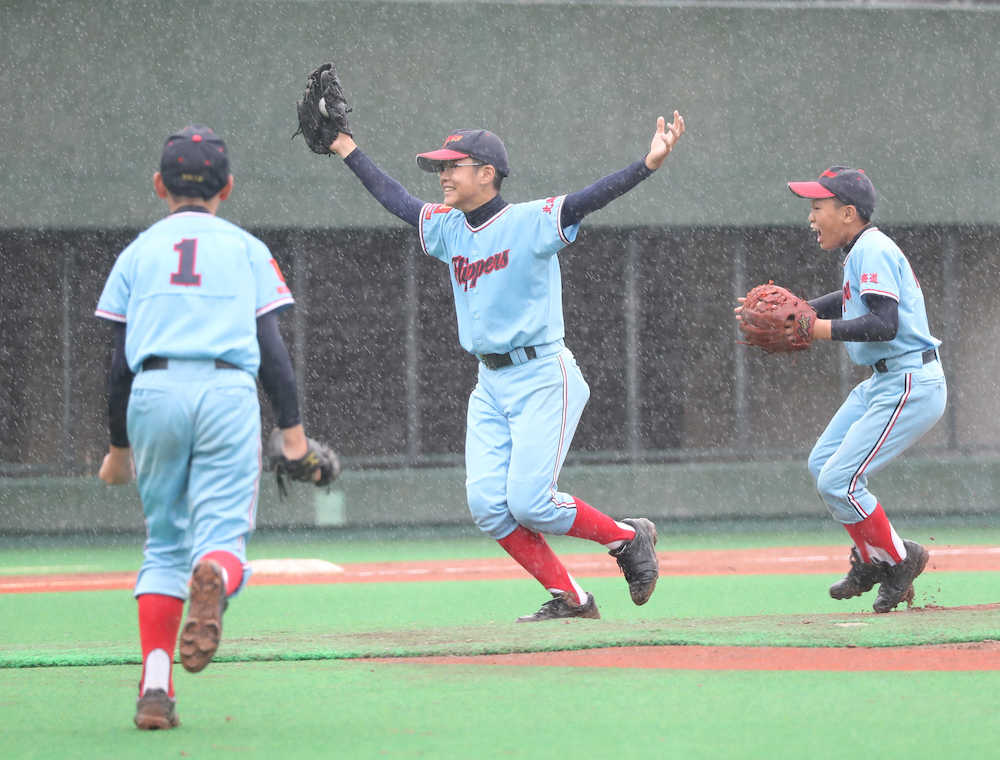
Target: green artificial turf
[393, 619]
[361, 710]
[280, 688]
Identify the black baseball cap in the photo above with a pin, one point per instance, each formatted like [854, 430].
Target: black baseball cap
[850, 186]
[194, 163]
[480, 144]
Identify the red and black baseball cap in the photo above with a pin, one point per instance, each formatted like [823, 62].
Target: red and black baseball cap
[850, 186]
[480, 144]
[194, 163]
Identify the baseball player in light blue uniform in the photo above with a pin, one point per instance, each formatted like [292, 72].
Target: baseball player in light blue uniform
[520, 421]
[879, 312]
[530, 393]
[193, 301]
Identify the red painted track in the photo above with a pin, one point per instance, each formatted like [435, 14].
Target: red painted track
[983, 656]
[781, 560]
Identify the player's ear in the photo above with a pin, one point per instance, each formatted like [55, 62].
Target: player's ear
[850, 213]
[158, 186]
[227, 190]
[487, 173]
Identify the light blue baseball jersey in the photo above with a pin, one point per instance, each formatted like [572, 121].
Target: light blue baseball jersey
[191, 287]
[877, 266]
[504, 274]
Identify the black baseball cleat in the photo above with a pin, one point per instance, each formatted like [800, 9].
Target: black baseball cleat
[860, 578]
[154, 710]
[561, 606]
[898, 584]
[638, 561]
[203, 628]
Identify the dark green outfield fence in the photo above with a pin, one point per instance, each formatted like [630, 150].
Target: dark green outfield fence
[771, 92]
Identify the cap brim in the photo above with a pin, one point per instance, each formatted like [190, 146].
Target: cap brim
[810, 189]
[431, 162]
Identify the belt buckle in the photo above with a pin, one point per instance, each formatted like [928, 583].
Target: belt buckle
[880, 366]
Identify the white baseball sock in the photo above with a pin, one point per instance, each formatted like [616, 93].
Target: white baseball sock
[157, 671]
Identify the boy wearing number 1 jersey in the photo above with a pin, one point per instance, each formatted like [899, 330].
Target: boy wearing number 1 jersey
[193, 303]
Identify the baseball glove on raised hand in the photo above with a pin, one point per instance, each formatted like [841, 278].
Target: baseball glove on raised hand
[319, 458]
[776, 319]
[323, 110]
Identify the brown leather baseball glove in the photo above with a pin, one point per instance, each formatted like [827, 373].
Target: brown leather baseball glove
[776, 320]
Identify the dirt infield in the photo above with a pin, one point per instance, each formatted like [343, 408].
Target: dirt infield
[980, 656]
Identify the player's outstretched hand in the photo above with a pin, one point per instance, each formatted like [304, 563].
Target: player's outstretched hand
[664, 140]
[116, 469]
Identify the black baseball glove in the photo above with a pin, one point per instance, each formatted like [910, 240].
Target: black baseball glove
[323, 110]
[319, 458]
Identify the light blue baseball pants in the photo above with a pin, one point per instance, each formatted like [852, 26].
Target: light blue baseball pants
[881, 418]
[195, 436]
[521, 421]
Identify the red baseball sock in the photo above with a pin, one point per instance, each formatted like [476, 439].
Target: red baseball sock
[876, 539]
[594, 525]
[233, 567]
[534, 554]
[159, 621]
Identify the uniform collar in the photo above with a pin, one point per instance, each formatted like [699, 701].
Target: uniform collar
[479, 216]
[849, 246]
[192, 207]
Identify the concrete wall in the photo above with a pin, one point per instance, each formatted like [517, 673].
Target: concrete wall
[436, 496]
[771, 92]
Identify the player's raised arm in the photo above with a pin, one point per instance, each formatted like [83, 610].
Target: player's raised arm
[598, 195]
[322, 115]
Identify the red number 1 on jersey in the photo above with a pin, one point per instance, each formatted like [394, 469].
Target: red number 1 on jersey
[185, 274]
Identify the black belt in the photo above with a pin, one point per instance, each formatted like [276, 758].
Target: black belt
[160, 362]
[928, 356]
[498, 361]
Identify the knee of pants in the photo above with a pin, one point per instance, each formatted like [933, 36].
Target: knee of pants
[816, 465]
[833, 486]
[532, 505]
[490, 515]
[524, 500]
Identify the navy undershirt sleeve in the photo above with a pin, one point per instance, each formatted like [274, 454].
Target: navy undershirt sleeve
[598, 195]
[387, 191]
[119, 387]
[276, 373]
[829, 306]
[880, 324]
